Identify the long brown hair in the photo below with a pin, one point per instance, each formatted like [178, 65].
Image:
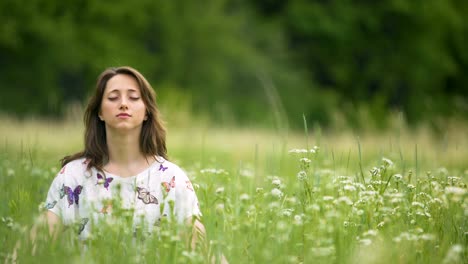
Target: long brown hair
[153, 132]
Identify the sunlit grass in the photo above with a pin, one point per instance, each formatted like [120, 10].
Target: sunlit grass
[266, 196]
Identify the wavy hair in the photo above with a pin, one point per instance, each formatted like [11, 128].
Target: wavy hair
[153, 133]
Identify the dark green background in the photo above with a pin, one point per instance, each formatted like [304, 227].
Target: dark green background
[244, 61]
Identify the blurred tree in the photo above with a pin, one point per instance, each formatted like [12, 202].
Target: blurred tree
[241, 60]
[386, 54]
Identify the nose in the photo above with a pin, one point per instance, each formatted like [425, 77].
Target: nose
[123, 105]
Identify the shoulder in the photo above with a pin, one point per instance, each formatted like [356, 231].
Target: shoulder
[74, 168]
[169, 169]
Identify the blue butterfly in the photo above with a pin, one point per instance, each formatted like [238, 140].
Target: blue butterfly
[62, 191]
[82, 225]
[50, 205]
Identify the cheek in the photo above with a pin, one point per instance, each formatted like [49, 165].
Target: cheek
[104, 108]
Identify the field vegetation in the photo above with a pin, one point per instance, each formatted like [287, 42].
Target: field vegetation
[317, 196]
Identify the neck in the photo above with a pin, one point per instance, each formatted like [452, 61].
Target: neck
[124, 148]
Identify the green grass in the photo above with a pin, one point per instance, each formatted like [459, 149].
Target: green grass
[385, 198]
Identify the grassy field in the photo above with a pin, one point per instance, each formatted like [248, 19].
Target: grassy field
[266, 197]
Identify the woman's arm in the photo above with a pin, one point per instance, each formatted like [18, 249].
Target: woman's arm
[54, 223]
[199, 237]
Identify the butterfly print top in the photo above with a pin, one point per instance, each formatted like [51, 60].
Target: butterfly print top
[77, 193]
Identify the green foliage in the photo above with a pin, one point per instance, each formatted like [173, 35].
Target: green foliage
[293, 207]
[256, 62]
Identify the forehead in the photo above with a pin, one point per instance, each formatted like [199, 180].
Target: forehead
[122, 82]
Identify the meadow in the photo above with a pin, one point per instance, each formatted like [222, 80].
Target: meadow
[312, 196]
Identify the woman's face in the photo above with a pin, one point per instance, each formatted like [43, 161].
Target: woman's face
[122, 107]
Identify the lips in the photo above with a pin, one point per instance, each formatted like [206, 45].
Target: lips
[123, 115]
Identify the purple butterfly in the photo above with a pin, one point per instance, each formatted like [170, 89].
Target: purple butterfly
[104, 180]
[73, 195]
[161, 167]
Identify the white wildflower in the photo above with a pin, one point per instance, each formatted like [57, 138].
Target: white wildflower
[454, 254]
[220, 190]
[305, 160]
[370, 232]
[328, 198]
[314, 207]
[350, 188]
[443, 171]
[276, 182]
[292, 199]
[275, 192]
[455, 191]
[344, 199]
[398, 177]
[365, 242]
[298, 151]
[220, 208]
[298, 220]
[387, 162]
[427, 237]
[323, 251]
[213, 171]
[246, 173]
[418, 204]
[244, 197]
[281, 225]
[259, 190]
[274, 205]
[302, 175]
[314, 150]
[287, 212]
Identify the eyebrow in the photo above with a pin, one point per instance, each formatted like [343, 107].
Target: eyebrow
[118, 91]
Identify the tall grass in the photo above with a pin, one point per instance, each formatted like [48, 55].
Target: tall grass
[329, 197]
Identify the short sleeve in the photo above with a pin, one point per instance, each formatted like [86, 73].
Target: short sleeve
[58, 198]
[186, 201]
[54, 200]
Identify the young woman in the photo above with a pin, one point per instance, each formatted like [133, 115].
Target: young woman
[124, 159]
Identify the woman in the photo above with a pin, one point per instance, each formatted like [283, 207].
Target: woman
[124, 159]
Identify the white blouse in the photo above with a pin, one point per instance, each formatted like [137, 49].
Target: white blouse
[82, 196]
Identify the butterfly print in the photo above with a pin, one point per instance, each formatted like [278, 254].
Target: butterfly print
[50, 205]
[82, 224]
[106, 209]
[162, 168]
[73, 195]
[169, 185]
[62, 191]
[146, 197]
[103, 180]
[189, 185]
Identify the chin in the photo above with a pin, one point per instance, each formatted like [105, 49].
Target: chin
[125, 127]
